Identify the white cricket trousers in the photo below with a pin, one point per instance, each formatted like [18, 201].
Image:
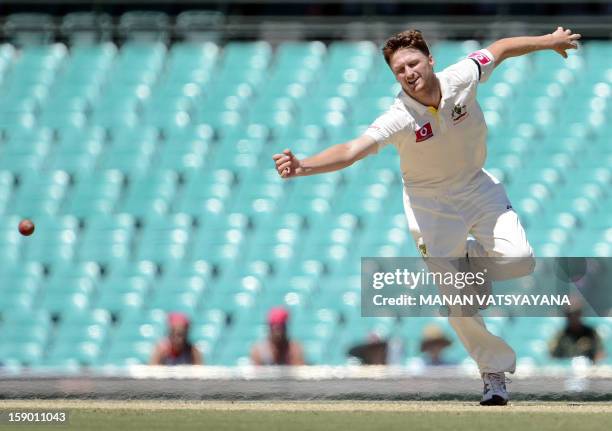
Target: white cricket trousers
[441, 222]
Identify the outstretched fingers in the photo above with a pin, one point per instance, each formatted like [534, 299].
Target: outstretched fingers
[565, 40]
[574, 40]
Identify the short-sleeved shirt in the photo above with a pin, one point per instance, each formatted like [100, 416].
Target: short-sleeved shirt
[445, 147]
[265, 352]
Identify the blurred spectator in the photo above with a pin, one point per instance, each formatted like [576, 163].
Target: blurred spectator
[433, 343]
[577, 338]
[379, 351]
[176, 349]
[277, 348]
[372, 352]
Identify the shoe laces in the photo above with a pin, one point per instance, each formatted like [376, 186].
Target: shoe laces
[497, 381]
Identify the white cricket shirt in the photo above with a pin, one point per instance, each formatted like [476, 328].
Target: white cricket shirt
[443, 148]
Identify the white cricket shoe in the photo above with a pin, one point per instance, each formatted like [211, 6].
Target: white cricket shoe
[495, 393]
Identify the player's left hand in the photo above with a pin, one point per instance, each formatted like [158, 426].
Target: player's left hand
[564, 39]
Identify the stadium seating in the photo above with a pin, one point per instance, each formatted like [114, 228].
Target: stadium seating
[147, 170]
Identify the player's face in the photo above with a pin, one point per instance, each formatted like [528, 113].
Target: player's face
[413, 70]
[178, 337]
[278, 333]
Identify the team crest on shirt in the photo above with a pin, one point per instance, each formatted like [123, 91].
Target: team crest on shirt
[424, 133]
[458, 113]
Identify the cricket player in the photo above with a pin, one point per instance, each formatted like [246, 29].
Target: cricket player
[454, 208]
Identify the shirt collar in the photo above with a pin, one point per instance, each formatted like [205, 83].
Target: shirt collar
[420, 108]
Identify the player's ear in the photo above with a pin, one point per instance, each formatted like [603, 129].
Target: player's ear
[431, 60]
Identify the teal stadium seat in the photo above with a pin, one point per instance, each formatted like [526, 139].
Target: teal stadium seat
[146, 168]
[107, 238]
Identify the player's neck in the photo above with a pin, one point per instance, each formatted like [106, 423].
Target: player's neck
[431, 95]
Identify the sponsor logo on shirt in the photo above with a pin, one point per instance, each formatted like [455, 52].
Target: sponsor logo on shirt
[458, 113]
[480, 57]
[424, 133]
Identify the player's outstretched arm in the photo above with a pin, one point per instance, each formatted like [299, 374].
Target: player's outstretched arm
[560, 41]
[331, 159]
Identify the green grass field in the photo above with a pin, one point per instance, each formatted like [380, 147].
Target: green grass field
[333, 415]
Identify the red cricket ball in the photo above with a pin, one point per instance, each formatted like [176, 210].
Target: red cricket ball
[26, 227]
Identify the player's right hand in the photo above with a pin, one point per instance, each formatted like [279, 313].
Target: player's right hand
[287, 165]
